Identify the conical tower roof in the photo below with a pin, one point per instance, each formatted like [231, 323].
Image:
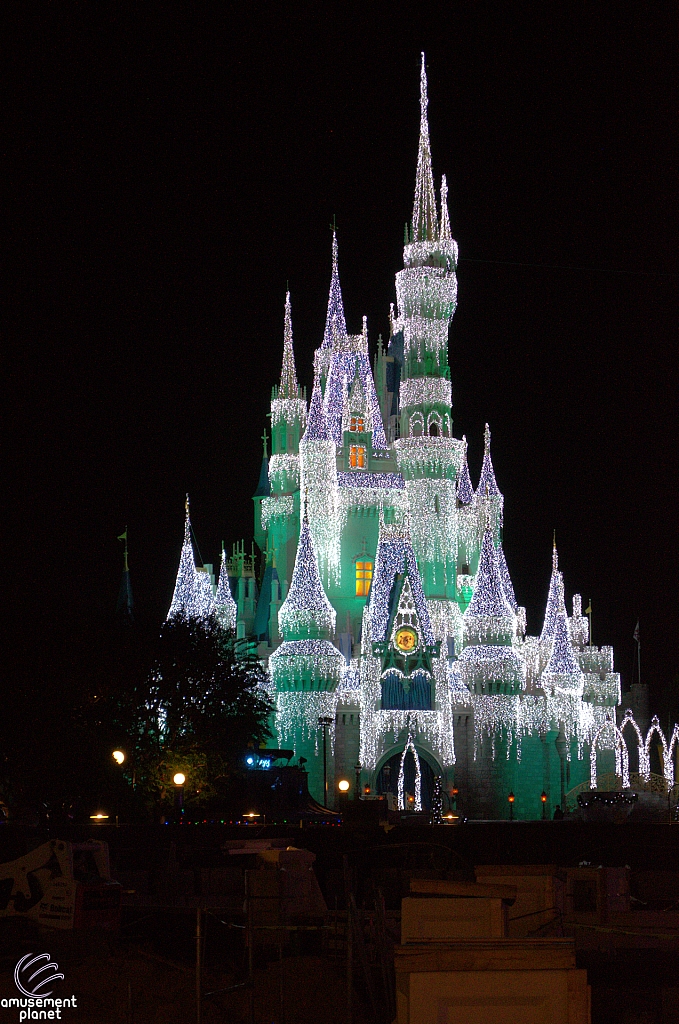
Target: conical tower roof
[465, 491]
[224, 602]
[335, 322]
[289, 387]
[306, 611]
[554, 599]
[186, 601]
[487, 484]
[425, 220]
[488, 599]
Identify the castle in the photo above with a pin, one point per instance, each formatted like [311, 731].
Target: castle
[384, 608]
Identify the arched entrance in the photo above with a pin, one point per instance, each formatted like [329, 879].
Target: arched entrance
[387, 778]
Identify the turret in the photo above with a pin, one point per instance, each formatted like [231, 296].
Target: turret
[187, 600]
[427, 287]
[487, 664]
[306, 660]
[562, 674]
[225, 606]
[340, 356]
[288, 418]
[488, 493]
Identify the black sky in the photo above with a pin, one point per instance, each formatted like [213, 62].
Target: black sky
[171, 168]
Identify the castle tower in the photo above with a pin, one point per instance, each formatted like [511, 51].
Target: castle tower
[188, 600]
[306, 668]
[428, 456]
[225, 606]
[280, 521]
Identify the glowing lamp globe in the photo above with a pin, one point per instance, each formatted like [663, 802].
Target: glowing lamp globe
[343, 786]
[179, 779]
[118, 756]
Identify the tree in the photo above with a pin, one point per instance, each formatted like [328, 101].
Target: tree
[197, 710]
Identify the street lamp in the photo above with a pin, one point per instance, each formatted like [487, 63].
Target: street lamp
[454, 793]
[325, 722]
[357, 788]
[118, 756]
[543, 797]
[343, 786]
[511, 798]
[178, 780]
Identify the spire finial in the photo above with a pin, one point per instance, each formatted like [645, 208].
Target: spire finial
[186, 506]
[555, 557]
[335, 323]
[424, 101]
[444, 233]
[265, 438]
[425, 220]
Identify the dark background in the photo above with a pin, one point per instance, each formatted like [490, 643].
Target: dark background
[170, 168]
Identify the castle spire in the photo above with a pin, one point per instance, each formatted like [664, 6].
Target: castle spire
[445, 218]
[186, 601]
[425, 221]
[289, 387]
[465, 491]
[488, 487]
[489, 599]
[225, 605]
[335, 323]
[554, 599]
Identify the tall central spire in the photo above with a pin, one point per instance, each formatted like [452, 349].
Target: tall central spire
[289, 387]
[425, 221]
[335, 324]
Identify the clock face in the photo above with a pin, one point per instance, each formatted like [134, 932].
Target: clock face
[406, 639]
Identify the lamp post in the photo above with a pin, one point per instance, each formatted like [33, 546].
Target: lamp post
[454, 793]
[178, 780]
[325, 722]
[343, 786]
[511, 798]
[357, 788]
[543, 797]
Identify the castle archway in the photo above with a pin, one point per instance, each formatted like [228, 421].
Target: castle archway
[390, 766]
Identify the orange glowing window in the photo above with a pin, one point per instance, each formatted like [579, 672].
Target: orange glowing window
[357, 424]
[357, 456]
[364, 575]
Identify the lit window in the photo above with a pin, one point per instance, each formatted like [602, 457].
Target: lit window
[357, 456]
[357, 424]
[364, 575]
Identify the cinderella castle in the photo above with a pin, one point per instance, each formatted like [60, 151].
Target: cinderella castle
[379, 593]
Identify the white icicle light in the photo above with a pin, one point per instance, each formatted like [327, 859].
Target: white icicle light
[418, 777]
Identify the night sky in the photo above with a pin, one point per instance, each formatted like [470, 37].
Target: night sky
[170, 169]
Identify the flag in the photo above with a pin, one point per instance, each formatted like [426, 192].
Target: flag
[635, 635]
[588, 609]
[123, 536]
